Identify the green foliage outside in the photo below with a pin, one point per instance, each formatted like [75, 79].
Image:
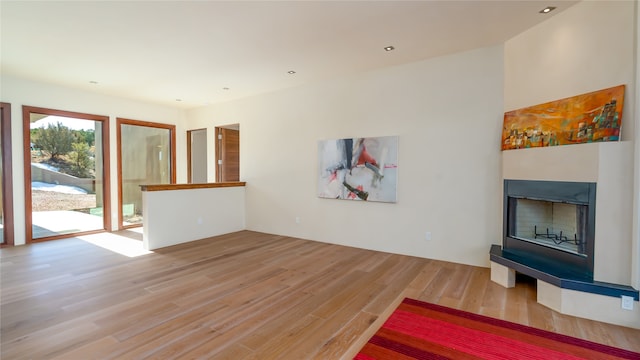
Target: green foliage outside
[81, 161]
[57, 140]
[72, 151]
[85, 136]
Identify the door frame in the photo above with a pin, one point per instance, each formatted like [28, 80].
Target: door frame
[172, 163]
[7, 176]
[26, 132]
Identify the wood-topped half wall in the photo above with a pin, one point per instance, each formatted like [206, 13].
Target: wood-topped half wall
[162, 187]
[179, 213]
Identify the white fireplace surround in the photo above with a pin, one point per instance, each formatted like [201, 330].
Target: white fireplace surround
[610, 165]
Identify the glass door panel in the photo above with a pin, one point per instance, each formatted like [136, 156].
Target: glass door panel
[66, 172]
[146, 158]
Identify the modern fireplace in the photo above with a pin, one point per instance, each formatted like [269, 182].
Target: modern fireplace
[551, 223]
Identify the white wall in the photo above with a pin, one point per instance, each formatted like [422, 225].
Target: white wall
[193, 214]
[19, 92]
[447, 113]
[588, 47]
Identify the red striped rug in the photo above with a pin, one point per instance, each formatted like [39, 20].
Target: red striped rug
[419, 330]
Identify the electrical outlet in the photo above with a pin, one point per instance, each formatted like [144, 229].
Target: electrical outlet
[427, 236]
[199, 220]
[297, 219]
[627, 302]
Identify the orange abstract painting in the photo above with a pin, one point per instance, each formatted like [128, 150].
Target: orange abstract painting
[585, 118]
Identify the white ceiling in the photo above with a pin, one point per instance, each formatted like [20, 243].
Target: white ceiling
[160, 51]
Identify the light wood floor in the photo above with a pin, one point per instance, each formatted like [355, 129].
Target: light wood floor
[245, 295]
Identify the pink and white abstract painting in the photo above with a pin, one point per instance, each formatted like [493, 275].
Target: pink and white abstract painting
[358, 169]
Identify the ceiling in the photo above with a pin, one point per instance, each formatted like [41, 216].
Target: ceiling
[193, 53]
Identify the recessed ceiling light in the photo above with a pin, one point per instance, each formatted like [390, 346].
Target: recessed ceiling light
[291, 72]
[93, 82]
[548, 9]
[178, 100]
[225, 88]
[388, 48]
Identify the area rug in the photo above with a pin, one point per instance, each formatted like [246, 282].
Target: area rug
[419, 330]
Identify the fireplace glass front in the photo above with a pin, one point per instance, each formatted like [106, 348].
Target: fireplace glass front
[554, 224]
[551, 222]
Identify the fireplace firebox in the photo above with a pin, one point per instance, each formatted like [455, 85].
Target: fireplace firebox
[551, 223]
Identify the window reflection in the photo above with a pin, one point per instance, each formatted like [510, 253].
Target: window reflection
[145, 159]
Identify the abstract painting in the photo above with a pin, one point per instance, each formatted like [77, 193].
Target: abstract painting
[358, 168]
[585, 118]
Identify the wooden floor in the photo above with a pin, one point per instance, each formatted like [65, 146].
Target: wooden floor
[245, 295]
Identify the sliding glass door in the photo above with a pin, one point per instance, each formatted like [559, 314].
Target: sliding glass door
[66, 165]
[146, 156]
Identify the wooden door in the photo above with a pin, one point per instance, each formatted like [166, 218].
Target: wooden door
[227, 155]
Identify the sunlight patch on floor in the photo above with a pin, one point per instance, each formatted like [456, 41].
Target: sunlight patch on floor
[57, 222]
[117, 243]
